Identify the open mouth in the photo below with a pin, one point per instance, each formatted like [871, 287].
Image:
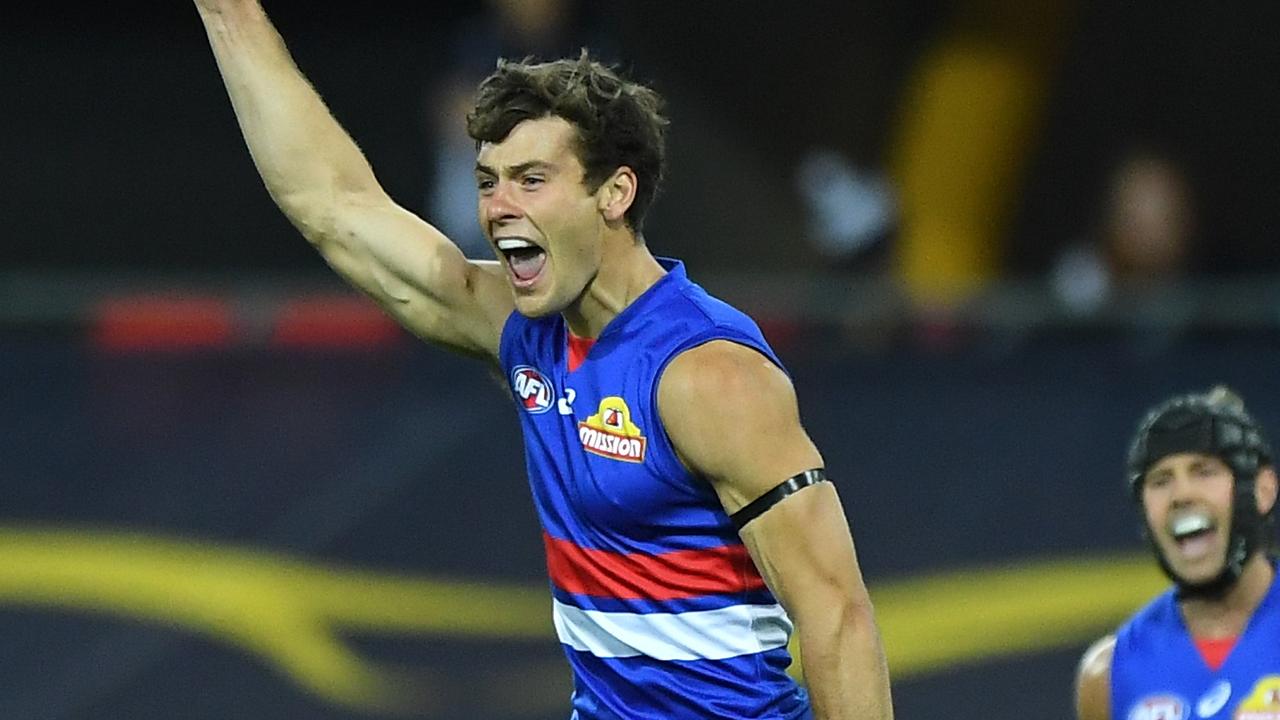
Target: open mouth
[1193, 534]
[524, 259]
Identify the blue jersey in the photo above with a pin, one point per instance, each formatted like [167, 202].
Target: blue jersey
[1158, 674]
[656, 601]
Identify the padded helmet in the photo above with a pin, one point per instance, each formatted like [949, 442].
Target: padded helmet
[1213, 423]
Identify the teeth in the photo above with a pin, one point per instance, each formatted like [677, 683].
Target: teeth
[514, 244]
[1189, 524]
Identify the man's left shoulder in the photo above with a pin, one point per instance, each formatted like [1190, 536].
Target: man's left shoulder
[724, 367]
[727, 394]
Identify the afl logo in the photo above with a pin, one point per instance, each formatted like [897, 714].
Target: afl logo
[1159, 707]
[533, 390]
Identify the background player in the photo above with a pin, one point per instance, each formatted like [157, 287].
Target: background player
[1201, 473]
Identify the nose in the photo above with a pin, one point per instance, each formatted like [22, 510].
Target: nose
[499, 206]
[1183, 489]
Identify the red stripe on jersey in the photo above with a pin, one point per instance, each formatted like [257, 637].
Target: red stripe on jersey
[669, 576]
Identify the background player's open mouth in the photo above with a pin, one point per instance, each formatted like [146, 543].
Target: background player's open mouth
[1194, 534]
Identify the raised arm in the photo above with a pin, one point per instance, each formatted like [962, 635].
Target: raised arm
[802, 545]
[322, 182]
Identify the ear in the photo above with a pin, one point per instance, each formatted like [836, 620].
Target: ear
[1264, 489]
[616, 193]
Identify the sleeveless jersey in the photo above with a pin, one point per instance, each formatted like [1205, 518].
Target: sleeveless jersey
[1158, 674]
[656, 602]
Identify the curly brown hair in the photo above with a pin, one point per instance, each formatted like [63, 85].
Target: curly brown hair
[618, 122]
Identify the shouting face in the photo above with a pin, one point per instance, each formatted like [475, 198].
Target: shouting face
[544, 223]
[1187, 499]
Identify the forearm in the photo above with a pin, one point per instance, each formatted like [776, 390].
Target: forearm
[844, 663]
[804, 549]
[305, 158]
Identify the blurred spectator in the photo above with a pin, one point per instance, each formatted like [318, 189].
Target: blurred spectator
[1144, 236]
[543, 29]
[1200, 81]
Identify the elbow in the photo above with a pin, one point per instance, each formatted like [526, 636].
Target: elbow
[849, 594]
[314, 200]
[856, 612]
[838, 611]
[319, 215]
[318, 225]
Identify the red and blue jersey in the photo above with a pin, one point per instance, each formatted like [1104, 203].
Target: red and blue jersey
[1158, 674]
[656, 601]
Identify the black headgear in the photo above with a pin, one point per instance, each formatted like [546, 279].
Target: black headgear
[1213, 423]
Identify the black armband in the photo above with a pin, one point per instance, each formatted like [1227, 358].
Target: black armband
[760, 505]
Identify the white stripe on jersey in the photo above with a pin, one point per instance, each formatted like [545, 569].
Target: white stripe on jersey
[697, 635]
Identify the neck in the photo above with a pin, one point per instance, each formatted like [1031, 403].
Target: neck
[1227, 614]
[627, 269]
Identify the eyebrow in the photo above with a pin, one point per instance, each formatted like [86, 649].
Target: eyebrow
[515, 170]
[1206, 462]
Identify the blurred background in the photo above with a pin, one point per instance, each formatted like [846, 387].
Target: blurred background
[985, 235]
